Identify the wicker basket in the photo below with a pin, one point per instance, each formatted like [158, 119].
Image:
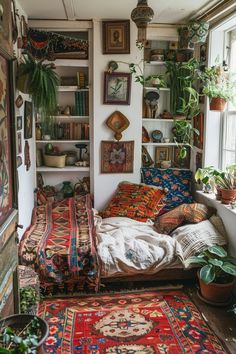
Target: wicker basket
[55, 161]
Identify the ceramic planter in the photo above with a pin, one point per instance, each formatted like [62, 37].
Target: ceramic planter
[217, 104]
[228, 195]
[218, 193]
[216, 293]
[198, 32]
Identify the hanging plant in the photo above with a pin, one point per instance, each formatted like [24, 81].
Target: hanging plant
[41, 82]
[198, 31]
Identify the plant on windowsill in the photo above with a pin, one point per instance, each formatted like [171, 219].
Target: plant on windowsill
[207, 176]
[216, 275]
[226, 181]
[218, 86]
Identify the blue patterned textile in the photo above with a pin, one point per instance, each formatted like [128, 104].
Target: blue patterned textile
[176, 181]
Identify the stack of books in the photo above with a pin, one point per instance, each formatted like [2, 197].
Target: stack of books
[82, 103]
[72, 131]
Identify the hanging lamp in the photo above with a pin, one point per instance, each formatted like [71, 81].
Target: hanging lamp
[142, 14]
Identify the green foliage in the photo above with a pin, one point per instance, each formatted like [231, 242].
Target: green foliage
[183, 134]
[218, 83]
[15, 341]
[227, 179]
[28, 298]
[41, 82]
[136, 70]
[216, 265]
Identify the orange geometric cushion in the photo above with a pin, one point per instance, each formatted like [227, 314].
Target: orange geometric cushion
[135, 201]
[185, 213]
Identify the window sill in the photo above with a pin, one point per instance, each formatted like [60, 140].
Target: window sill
[210, 198]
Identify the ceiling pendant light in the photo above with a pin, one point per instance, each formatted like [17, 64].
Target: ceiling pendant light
[142, 14]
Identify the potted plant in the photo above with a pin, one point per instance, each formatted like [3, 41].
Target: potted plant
[216, 275]
[41, 82]
[183, 132]
[226, 181]
[207, 175]
[218, 86]
[22, 334]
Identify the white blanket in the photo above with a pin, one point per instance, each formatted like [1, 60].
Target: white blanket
[126, 245]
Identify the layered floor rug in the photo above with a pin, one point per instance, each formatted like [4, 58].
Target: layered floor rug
[165, 322]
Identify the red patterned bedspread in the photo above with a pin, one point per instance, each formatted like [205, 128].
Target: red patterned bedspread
[60, 245]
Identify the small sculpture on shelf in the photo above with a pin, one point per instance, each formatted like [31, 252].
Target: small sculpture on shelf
[151, 100]
[166, 115]
[157, 136]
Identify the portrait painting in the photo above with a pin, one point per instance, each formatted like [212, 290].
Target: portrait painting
[6, 200]
[116, 37]
[117, 88]
[28, 120]
[117, 157]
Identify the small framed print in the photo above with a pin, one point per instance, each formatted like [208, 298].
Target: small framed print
[117, 88]
[28, 120]
[117, 156]
[162, 154]
[19, 123]
[116, 37]
[19, 144]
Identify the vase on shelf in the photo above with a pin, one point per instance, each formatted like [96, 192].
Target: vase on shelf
[67, 189]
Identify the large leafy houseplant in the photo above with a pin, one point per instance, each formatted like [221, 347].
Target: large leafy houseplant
[216, 274]
[183, 134]
[219, 86]
[41, 82]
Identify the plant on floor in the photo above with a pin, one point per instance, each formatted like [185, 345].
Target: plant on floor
[41, 82]
[28, 299]
[217, 273]
[20, 340]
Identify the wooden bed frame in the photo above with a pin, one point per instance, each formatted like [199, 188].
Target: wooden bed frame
[165, 274]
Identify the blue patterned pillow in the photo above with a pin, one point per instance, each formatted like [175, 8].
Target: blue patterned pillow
[176, 181]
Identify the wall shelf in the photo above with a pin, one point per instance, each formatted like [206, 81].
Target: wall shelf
[163, 120]
[70, 89]
[63, 169]
[62, 141]
[162, 144]
[70, 117]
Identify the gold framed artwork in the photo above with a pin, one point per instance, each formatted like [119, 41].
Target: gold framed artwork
[163, 153]
[116, 37]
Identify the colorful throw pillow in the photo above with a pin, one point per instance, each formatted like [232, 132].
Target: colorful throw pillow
[176, 181]
[135, 201]
[185, 213]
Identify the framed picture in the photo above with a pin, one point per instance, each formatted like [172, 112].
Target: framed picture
[116, 37]
[181, 163]
[117, 157]
[198, 123]
[162, 154]
[28, 120]
[6, 28]
[7, 143]
[117, 88]
[18, 122]
[19, 144]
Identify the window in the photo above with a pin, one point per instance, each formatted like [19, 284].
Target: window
[229, 119]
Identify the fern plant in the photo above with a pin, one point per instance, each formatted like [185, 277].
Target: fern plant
[40, 81]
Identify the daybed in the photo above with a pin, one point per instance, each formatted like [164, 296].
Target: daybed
[72, 247]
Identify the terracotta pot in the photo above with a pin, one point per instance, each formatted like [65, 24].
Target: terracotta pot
[218, 193]
[228, 195]
[217, 104]
[216, 293]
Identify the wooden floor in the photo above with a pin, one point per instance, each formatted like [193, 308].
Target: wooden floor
[222, 322]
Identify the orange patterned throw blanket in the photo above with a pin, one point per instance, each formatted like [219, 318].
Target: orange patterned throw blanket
[60, 246]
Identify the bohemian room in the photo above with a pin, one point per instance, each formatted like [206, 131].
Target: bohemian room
[117, 176]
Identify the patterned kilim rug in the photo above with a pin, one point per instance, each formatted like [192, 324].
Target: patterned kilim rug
[134, 323]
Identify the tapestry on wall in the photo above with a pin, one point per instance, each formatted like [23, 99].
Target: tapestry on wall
[117, 156]
[51, 45]
[148, 323]
[5, 153]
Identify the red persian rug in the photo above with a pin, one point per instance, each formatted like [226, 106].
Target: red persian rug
[134, 323]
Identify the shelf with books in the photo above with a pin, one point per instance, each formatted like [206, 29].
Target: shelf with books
[62, 141]
[71, 88]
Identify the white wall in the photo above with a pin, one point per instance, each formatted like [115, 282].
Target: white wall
[106, 184]
[26, 179]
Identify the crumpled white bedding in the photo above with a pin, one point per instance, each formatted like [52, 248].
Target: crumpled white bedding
[130, 246]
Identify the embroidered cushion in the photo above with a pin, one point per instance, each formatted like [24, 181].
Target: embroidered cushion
[176, 181]
[185, 213]
[135, 201]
